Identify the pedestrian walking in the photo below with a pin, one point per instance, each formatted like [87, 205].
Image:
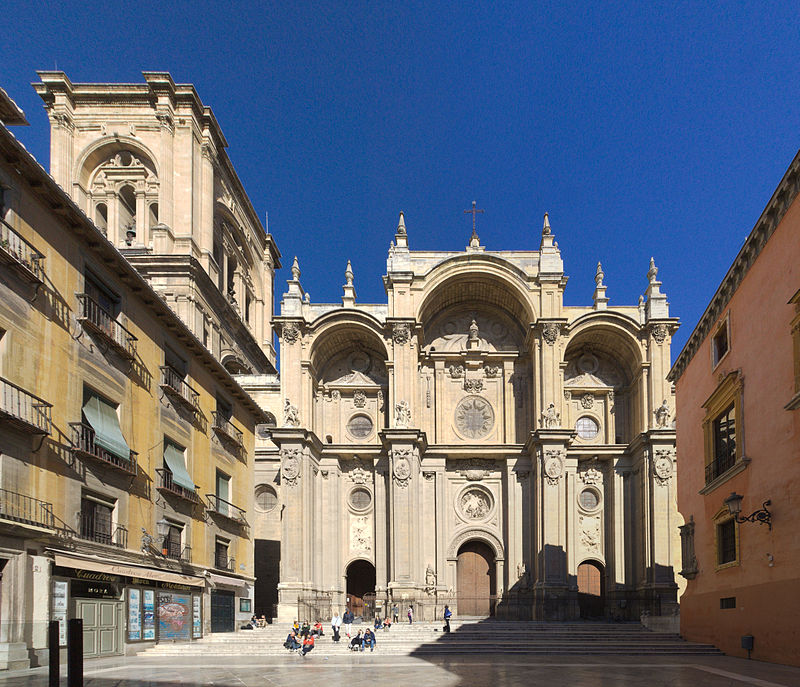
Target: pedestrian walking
[336, 623]
[447, 615]
[395, 613]
[410, 615]
[347, 621]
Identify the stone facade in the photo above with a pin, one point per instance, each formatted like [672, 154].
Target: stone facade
[474, 411]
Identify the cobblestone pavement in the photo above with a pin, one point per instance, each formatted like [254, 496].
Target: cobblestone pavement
[441, 671]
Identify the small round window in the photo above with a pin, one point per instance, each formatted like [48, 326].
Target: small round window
[266, 498]
[360, 499]
[589, 499]
[360, 426]
[587, 427]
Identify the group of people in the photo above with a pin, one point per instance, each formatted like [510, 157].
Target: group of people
[302, 637]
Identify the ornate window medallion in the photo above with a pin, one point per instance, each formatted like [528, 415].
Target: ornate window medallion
[359, 426]
[589, 500]
[587, 427]
[360, 499]
[474, 417]
[266, 498]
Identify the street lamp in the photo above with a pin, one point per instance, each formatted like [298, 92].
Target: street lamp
[162, 528]
[762, 515]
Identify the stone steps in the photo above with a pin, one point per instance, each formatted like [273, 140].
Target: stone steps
[498, 637]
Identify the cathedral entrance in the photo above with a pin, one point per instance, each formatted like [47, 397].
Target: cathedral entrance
[476, 582]
[591, 590]
[360, 583]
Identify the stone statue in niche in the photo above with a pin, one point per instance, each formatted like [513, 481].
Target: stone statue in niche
[475, 504]
[662, 414]
[291, 416]
[402, 415]
[551, 418]
[430, 580]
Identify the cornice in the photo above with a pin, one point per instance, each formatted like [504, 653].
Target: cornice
[784, 195]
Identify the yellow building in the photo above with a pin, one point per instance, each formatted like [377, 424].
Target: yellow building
[126, 446]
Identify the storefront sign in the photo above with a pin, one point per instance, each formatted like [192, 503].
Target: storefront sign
[174, 616]
[88, 589]
[149, 606]
[197, 629]
[60, 609]
[134, 615]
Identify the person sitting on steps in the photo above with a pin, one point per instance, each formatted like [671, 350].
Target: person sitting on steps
[356, 642]
[308, 644]
[369, 640]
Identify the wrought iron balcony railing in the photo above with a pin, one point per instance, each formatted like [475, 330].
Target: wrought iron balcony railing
[26, 510]
[225, 428]
[226, 509]
[96, 319]
[24, 410]
[176, 552]
[175, 385]
[84, 446]
[17, 252]
[718, 466]
[102, 530]
[167, 484]
[222, 562]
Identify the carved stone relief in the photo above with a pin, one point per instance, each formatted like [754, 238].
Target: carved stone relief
[590, 532]
[291, 333]
[660, 332]
[553, 466]
[456, 371]
[551, 332]
[484, 331]
[551, 418]
[401, 333]
[290, 465]
[476, 469]
[592, 474]
[662, 415]
[473, 386]
[359, 399]
[662, 466]
[361, 534]
[401, 466]
[402, 415]
[475, 504]
[291, 416]
[474, 417]
[491, 371]
[587, 401]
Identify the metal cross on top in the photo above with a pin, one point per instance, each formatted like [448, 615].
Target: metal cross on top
[474, 211]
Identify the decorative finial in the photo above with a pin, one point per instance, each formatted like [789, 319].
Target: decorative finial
[546, 226]
[474, 241]
[401, 224]
[652, 273]
[296, 269]
[599, 275]
[348, 274]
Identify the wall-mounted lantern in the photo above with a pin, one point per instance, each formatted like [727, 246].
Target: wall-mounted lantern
[762, 515]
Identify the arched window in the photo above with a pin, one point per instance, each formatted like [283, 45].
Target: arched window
[101, 217]
[152, 217]
[127, 213]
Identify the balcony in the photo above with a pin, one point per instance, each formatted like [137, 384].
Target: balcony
[168, 486]
[84, 446]
[102, 530]
[226, 509]
[98, 321]
[178, 390]
[227, 430]
[174, 551]
[16, 252]
[720, 465]
[222, 562]
[24, 410]
[26, 510]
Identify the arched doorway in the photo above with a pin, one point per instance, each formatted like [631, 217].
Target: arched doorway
[360, 583]
[591, 589]
[476, 582]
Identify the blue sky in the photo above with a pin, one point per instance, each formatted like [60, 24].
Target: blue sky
[642, 128]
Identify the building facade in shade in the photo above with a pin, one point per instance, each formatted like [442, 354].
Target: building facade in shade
[474, 441]
[738, 402]
[126, 445]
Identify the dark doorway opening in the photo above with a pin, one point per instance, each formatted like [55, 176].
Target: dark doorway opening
[476, 583]
[360, 583]
[267, 568]
[591, 589]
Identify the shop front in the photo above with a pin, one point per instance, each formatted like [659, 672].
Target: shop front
[124, 605]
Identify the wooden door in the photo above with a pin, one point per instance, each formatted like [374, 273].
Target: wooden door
[590, 590]
[475, 583]
[101, 631]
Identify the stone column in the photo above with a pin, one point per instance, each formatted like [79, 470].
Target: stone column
[404, 448]
[381, 514]
[299, 452]
[554, 594]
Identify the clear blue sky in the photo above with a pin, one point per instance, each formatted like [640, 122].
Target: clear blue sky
[643, 128]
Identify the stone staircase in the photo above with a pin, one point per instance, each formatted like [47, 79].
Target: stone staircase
[467, 637]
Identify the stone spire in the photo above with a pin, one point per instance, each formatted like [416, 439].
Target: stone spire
[600, 300]
[291, 303]
[400, 236]
[349, 297]
[657, 306]
[550, 262]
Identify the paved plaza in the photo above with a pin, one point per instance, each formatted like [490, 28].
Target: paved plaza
[373, 669]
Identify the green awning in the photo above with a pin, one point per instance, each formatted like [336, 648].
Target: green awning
[105, 423]
[177, 465]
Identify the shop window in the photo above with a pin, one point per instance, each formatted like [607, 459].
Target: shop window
[722, 428]
[727, 543]
[720, 342]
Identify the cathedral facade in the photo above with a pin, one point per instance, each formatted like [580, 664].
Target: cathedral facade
[472, 441]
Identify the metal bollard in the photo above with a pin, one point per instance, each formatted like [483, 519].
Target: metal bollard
[54, 651]
[75, 652]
